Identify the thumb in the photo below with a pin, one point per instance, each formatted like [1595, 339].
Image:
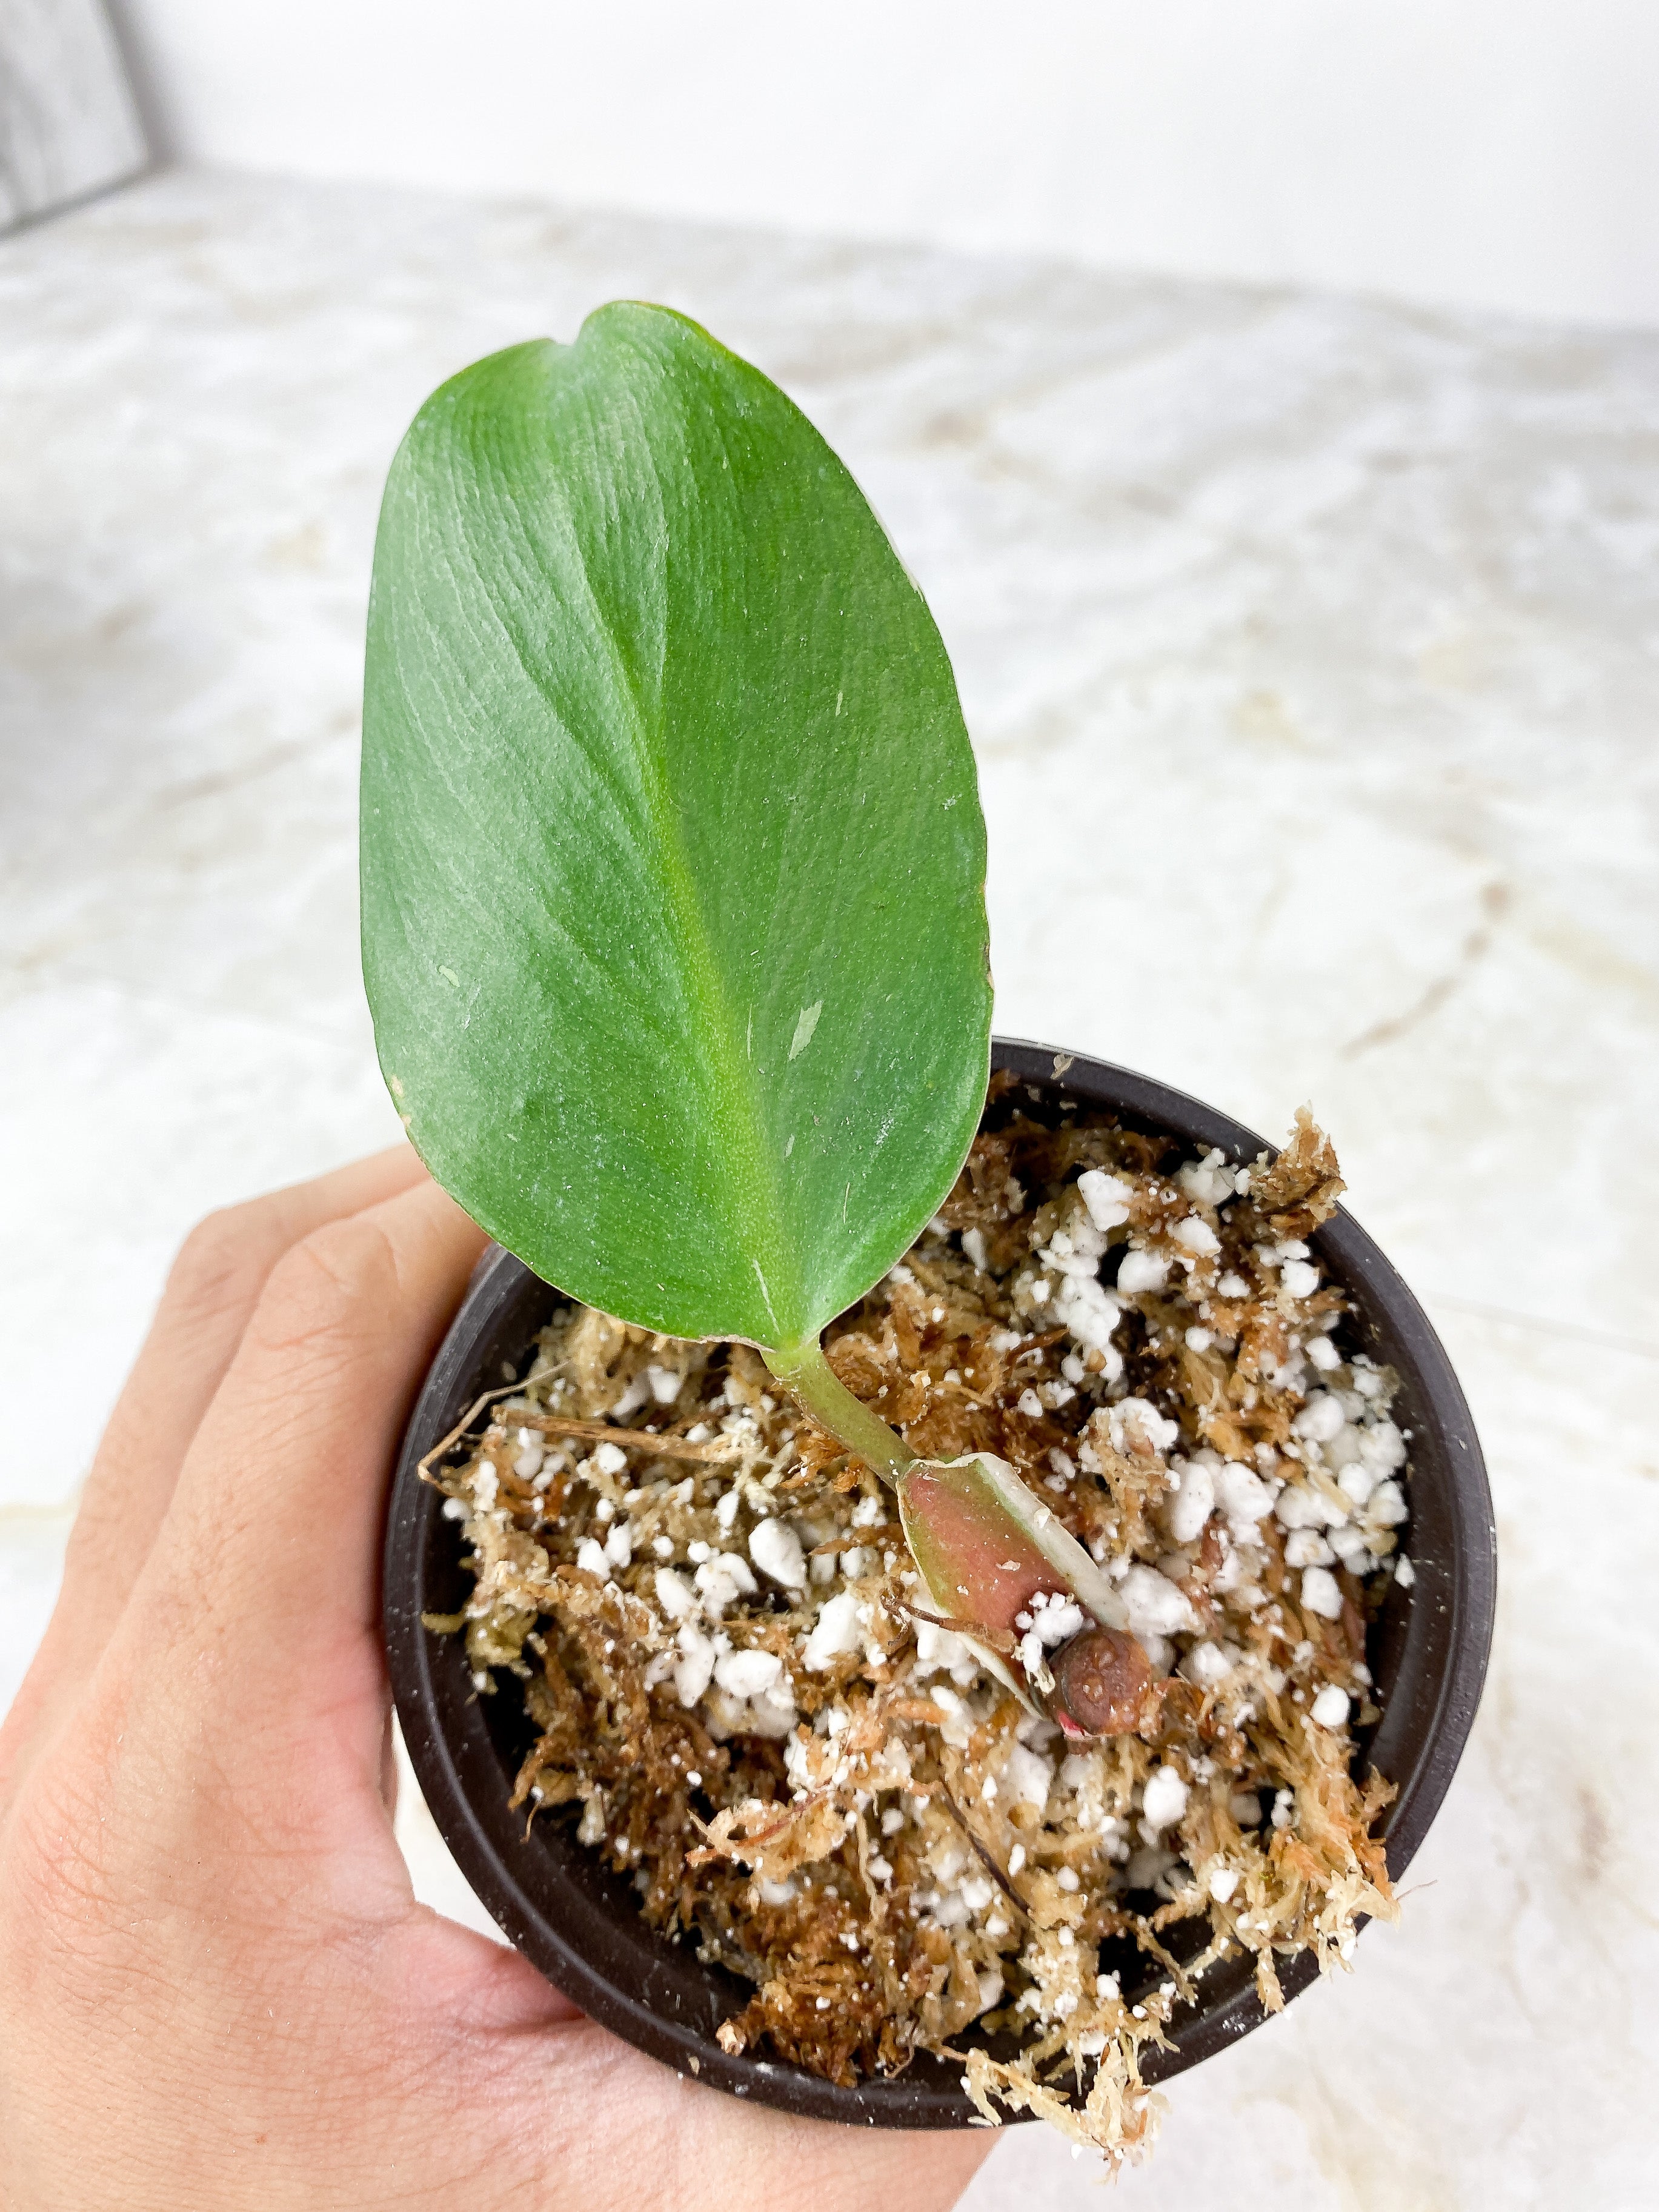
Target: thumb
[267, 1563]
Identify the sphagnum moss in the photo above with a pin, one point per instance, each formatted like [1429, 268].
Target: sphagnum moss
[720, 1638]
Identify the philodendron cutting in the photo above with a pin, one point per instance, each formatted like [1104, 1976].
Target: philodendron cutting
[673, 901]
[675, 935]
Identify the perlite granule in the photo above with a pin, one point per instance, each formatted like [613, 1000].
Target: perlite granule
[709, 1615]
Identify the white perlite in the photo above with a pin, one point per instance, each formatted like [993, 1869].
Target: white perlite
[1164, 1800]
[1321, 1594]
[776, 1550]
[748, 1674]
[834, 1632]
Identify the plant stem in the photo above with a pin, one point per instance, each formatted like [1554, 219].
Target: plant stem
[806, 1375]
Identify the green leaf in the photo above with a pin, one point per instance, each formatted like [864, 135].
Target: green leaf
[672, 858]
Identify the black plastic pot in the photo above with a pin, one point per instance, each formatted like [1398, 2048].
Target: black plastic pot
[578, 1922]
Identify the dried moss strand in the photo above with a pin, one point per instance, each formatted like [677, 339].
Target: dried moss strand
[642, 1440]
[449, 1443]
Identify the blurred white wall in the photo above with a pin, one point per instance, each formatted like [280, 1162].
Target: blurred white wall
[1489, 153]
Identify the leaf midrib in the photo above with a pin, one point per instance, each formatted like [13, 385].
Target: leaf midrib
[728, 1056]
[725, 1053]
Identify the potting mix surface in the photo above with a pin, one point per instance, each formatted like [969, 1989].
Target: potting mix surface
[710, 1613]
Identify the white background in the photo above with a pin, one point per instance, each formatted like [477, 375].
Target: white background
[1480, 153]
[1308, 650]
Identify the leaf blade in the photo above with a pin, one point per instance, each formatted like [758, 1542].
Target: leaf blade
[662, 756]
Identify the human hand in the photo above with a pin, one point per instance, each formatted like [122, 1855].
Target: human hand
[216, 1988]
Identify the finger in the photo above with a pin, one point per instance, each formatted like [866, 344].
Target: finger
[267, 1565]
[211, 1290]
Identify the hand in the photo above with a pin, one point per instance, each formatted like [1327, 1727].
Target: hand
[216, 1988]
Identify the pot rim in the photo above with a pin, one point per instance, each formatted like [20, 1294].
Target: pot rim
[1447, 1615]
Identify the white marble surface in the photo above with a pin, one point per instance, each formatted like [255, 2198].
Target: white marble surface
[1311, 648]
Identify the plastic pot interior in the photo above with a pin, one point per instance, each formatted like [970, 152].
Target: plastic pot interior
[579, 1923]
